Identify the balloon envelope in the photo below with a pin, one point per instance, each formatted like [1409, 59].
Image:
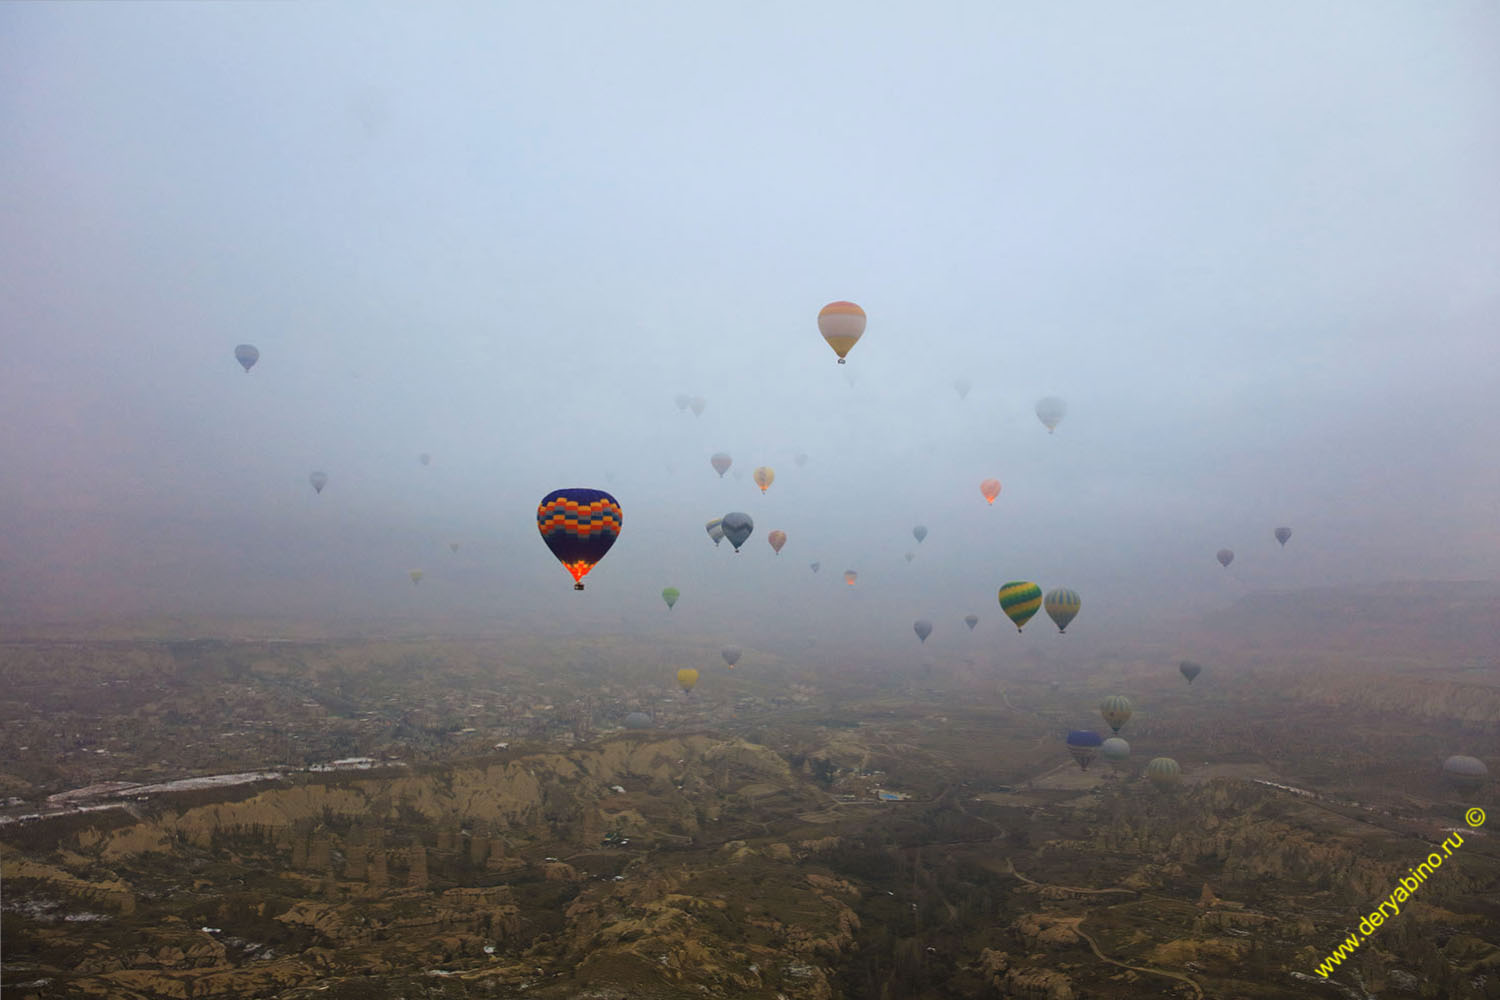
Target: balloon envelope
[716, 530]
[687, 678]
[1020, 600]
[1282, 535]
[962, 386]
[764, 477]
[1189, 669]
[737, 526]
[1466, 774]
[850, 576]
[424, 458]
[731, 655]
[1050, 412]
[1115, 710]
[670, 595]
[1062, 606]
[698, 403]
[919, 533]
[777, 540]
[910, 556]
[923, 628]
[1225, 557]
[246, 355]
[637, 720]
[1083, 744]
[579, 525]
[416, 576]
[1163, 772]
[682, 400]
[453, 546]
[801, 458]
[1115, 750]
[971, 621]
[990, 488]
[841, 324]
[815, 566]
[721, 463]
[318, 480]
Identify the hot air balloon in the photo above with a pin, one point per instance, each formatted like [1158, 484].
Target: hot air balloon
[697, 403]
[1020, 600]
[682, 400]
[637, 720]
[318, 480]
[777, 540]
[1163, 772]
[424, 458]
[1282, 534]
[1062, 606]
[815, 566]
[716, 530]
[1465, 774]
[453, 546]
[737, 526]
[1189, 669]
[721, 463]
[764, 477]
[670, 595]
[1116, 711]
[962, 386]
[919, 533]
[841, 324]
[416, 577]
[850, 576]
[1083, 744]
[731, 655]
[991, 489]
[801, 459]
[246, 355]
[1225, 557]
[579, 525]
[971, 621]
[1050, 412]
[1115, 750]
[687, 678]
[923, 628]
[910, 556]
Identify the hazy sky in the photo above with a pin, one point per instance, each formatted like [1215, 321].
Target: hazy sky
[1254, 246]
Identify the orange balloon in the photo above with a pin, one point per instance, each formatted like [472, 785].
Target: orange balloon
[991, 489]
[777, 540]
[841, 324]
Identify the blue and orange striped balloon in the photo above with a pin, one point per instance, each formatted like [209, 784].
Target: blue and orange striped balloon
[579, 526]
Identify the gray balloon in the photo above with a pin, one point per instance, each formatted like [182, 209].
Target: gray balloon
[919, 533]
[923, 628]
[731, 655]
[318, 480]
[1466, 774]
[638, 720]
[737, 526]
[971, 621]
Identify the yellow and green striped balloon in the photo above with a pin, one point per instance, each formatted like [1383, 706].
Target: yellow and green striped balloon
[1163, 772]
[1020, 600]
[1062, 606]
[1116, 711]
